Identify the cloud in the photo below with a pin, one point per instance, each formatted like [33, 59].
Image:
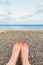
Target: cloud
[21, 13]
[35, 18]
[40, 10]
[2, 10]
[4, 2]
[41, 3]
[19, 16]
[10, 14]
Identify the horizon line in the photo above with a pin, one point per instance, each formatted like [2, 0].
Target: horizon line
[21, 24]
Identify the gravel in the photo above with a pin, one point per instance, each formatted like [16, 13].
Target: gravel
[33, 38]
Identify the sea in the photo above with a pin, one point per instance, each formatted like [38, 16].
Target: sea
[21, 27]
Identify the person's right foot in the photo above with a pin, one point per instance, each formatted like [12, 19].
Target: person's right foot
[15, 54]
[24, 54]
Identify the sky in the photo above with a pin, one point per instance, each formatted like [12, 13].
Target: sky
[21, 11]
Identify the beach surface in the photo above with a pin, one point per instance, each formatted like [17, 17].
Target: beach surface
[33, 38]
[2, 31]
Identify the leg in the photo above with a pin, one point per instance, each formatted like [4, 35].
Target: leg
[15, 53]
[24, 54]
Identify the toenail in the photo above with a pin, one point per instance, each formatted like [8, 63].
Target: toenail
[20, 43]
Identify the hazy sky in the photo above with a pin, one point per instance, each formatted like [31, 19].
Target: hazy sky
[21, 11]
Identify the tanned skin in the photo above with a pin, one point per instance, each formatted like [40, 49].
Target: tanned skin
[24, 48]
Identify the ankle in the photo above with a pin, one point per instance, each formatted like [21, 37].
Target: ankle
[12, 61]
[25, 62]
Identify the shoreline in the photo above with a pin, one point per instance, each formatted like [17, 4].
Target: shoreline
[20, 31]
[2, 31]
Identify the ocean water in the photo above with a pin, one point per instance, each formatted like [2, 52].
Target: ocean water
[21, 27]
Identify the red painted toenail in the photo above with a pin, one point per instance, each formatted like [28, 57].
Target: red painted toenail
[23, 43]
[18, 42]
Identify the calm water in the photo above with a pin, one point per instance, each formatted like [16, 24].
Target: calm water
[25, 27]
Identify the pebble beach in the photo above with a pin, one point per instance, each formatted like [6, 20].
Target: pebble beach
[33, 38]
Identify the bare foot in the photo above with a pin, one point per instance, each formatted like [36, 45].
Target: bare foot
[15, 53]
[24, 54]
